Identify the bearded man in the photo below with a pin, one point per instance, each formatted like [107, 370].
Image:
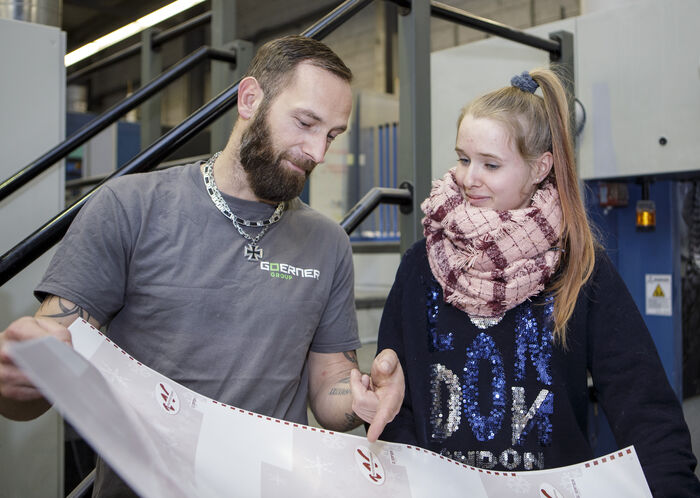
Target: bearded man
[217, 276]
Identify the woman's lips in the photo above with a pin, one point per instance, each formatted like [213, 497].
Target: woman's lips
[477, 200]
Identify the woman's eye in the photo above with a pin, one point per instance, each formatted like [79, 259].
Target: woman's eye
[463, 160]
[492, 166]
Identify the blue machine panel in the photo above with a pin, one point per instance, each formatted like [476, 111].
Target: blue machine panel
[636, 254]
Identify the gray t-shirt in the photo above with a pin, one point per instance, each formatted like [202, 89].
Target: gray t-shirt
[151, 256]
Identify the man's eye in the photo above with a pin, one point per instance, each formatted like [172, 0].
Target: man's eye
[303, 124]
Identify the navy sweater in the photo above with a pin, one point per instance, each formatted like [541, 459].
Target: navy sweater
[507, 398]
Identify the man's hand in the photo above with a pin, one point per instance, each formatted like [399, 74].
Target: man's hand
[14, 385]
[377, 399]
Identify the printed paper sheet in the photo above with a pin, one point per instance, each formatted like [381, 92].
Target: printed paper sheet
[168, 441]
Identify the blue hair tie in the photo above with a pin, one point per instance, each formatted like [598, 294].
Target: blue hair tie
[524, 82]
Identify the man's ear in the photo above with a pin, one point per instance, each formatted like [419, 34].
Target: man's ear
[543, 165]
[250, 95]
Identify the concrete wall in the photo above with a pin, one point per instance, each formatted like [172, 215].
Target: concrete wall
[32, 97]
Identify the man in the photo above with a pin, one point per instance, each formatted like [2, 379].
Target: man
[217, 275]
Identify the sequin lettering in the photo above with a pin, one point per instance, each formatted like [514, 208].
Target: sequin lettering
[443, 379]
[529, 338]
[437, 341]
[538, 413]
[532, 411]
[510, 459]
[457, 456]
[483, 348]
[530, 461]
[481, 459]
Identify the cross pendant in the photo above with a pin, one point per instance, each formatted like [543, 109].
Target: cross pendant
[253, 252]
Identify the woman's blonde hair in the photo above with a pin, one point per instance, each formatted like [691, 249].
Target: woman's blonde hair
[537, 125]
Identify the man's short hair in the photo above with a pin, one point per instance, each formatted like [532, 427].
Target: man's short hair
[274, 63]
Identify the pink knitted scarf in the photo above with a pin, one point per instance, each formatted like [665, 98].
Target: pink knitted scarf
[489, 261]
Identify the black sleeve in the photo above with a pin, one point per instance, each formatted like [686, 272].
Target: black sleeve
[391, 336]
[633, 389]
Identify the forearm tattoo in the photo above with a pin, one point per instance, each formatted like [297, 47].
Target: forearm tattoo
[351, 356]
[339, 390]
[67, 309]
[351, 421]
[342, 388]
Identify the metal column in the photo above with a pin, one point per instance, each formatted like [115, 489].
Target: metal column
[223, 74]
[151, 66]
[414, 114]
[563, 64]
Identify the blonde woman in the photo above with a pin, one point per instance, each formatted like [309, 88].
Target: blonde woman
[500, 312]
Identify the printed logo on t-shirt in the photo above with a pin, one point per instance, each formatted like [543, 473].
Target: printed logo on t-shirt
[288, 272]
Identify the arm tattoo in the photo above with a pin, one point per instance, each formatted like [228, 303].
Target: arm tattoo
[67, 310]
[351, 421]
[340, 391]
[351, 356]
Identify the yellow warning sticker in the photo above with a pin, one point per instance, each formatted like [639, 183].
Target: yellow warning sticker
[658, 294]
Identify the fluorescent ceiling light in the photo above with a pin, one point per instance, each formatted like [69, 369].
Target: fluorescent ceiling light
[129, 30]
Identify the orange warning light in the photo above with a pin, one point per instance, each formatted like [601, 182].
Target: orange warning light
[646, 216]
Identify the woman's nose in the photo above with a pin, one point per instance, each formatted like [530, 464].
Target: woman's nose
[471, 177]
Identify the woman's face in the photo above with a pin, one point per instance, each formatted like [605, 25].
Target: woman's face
[491, 171]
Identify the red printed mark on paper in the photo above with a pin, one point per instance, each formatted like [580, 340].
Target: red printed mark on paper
[370, 465]
[167, 398]
[549, 491]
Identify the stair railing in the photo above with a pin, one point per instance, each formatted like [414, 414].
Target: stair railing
[110, 116]
[29, 249]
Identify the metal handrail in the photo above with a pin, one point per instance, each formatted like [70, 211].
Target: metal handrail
[158, 40]
[402, 196]
[94, 180]
[459, 16]
[83, 486]
[29, 249]
[110, 116]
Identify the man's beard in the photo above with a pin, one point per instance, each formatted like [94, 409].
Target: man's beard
[268, 178]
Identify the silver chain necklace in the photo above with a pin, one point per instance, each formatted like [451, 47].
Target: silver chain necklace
[252, 251]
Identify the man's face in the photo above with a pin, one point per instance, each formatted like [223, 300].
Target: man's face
[289, 136]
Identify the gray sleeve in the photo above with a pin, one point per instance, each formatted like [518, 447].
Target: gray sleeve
[337, 329]
[90, 264]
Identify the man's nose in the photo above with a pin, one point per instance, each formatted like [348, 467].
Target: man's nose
[315, 147]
